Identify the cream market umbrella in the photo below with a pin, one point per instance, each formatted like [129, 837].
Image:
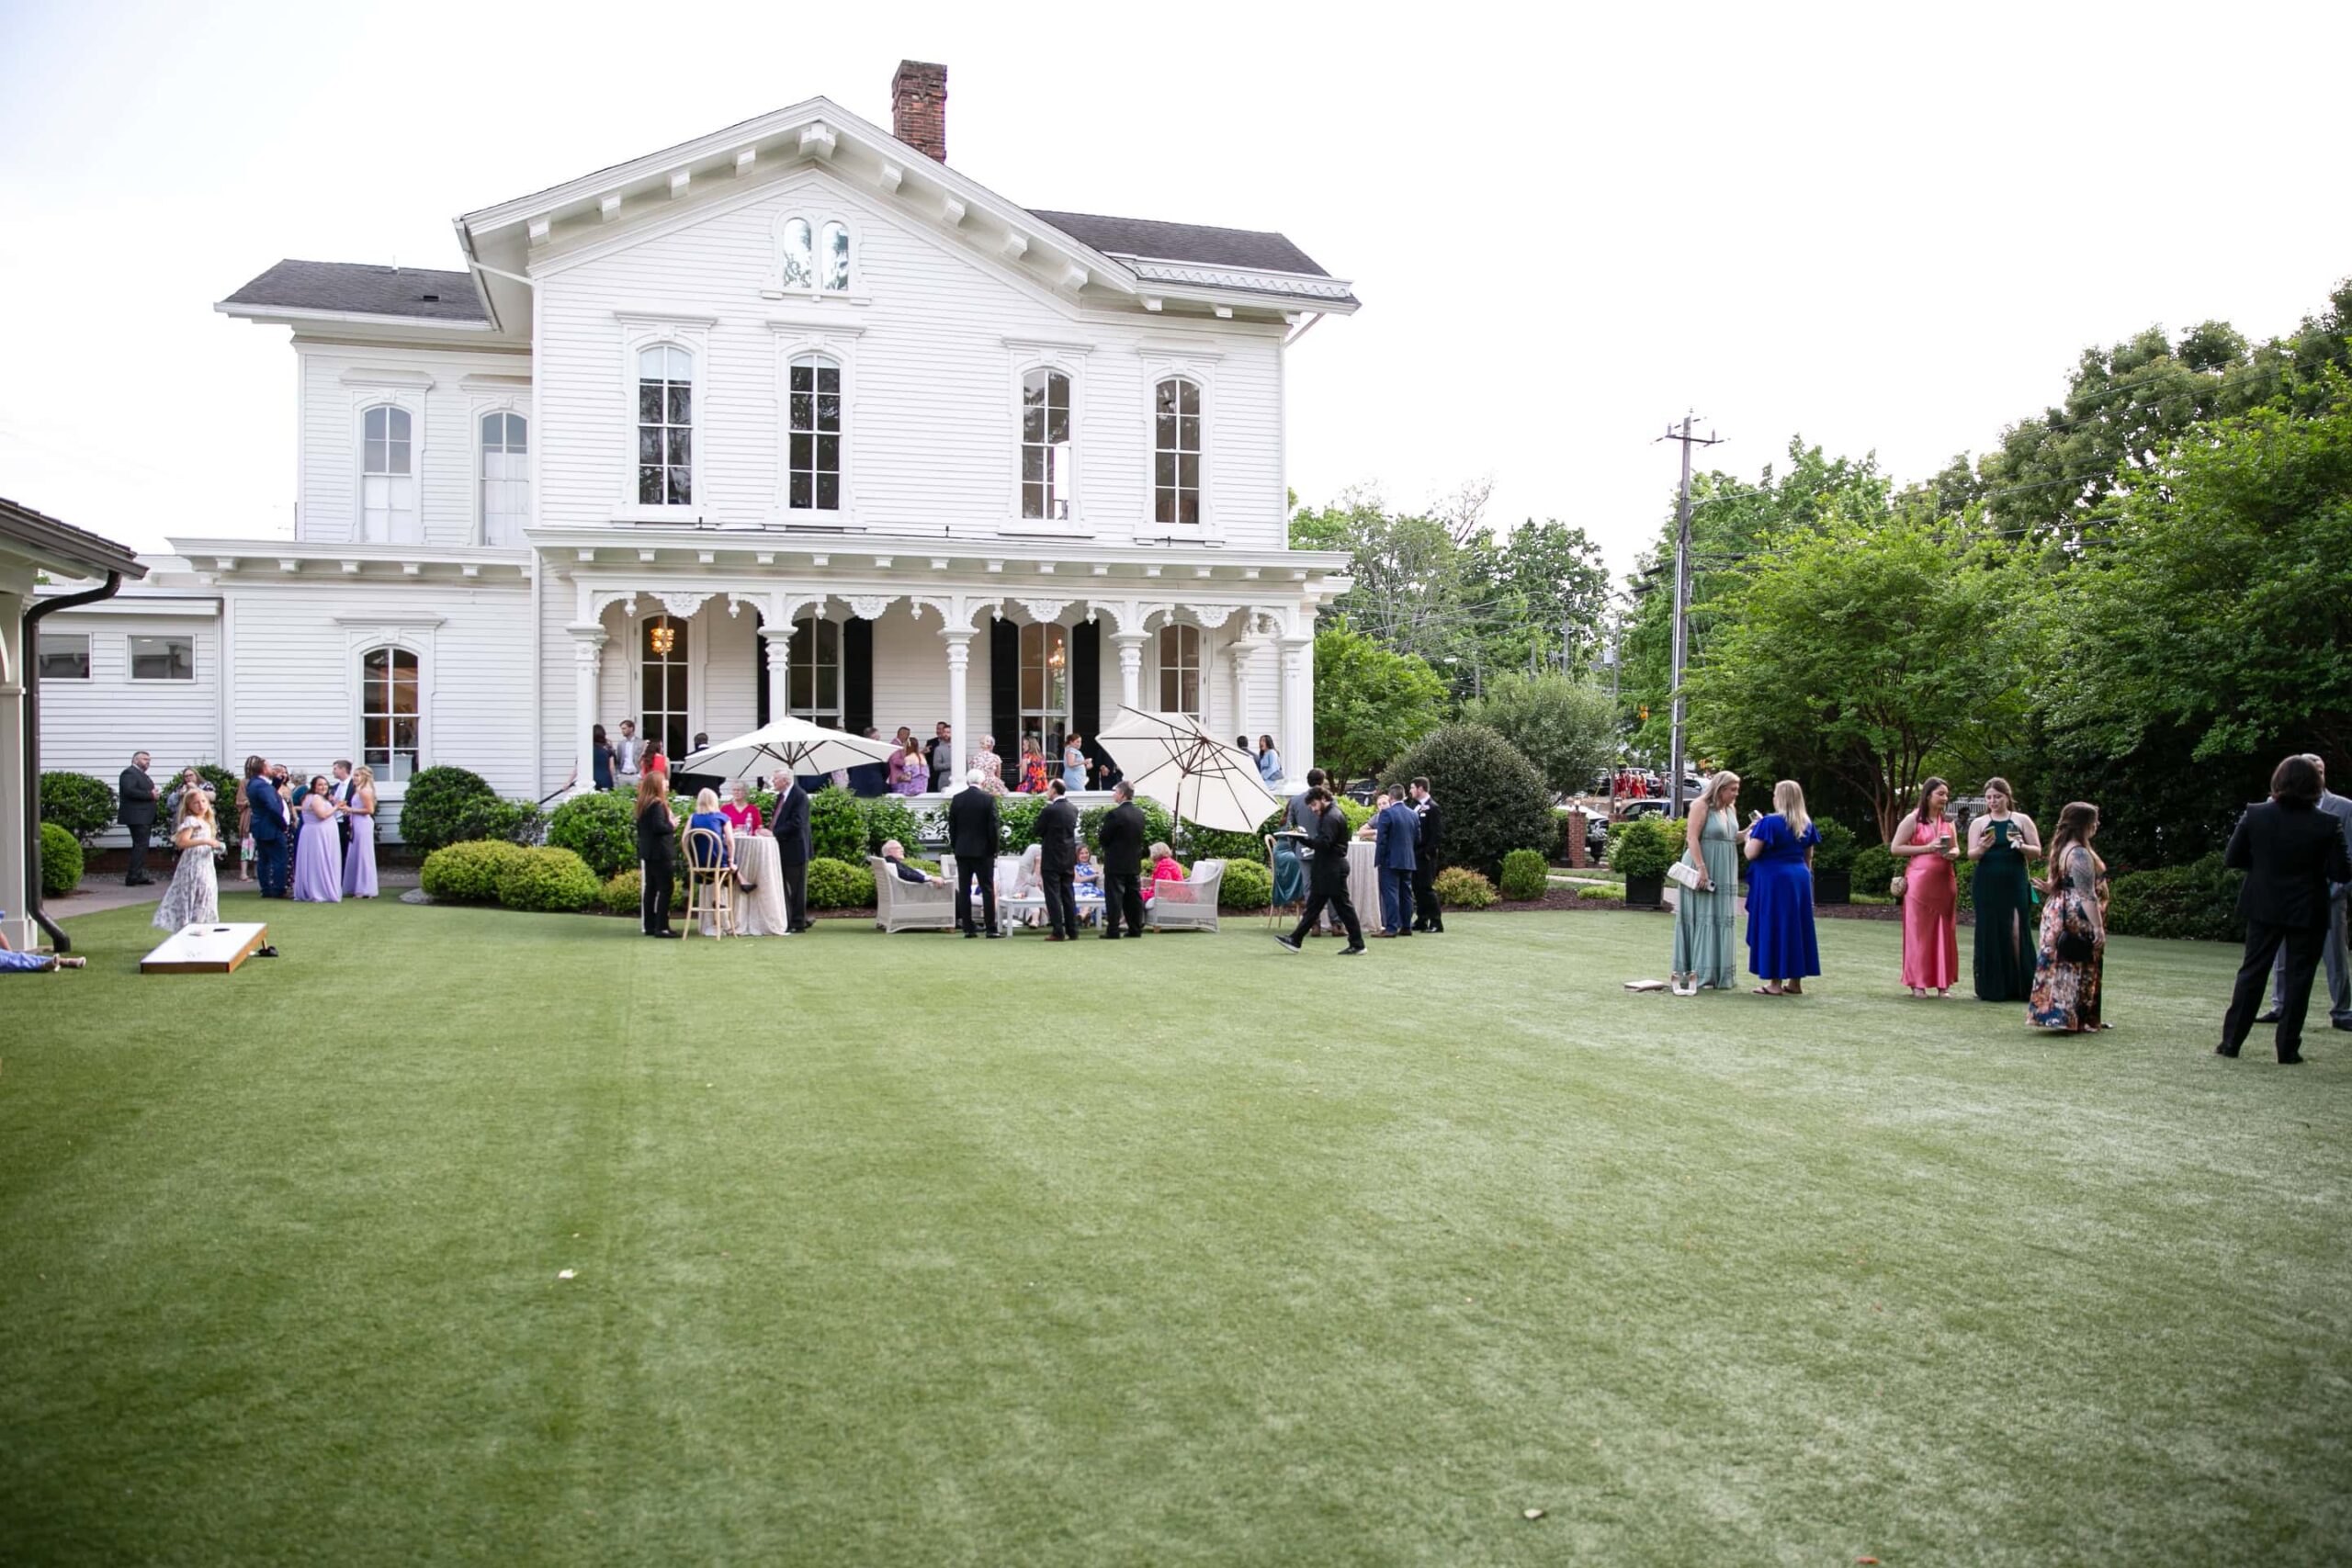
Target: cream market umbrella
[1199, 778]
[787, 746]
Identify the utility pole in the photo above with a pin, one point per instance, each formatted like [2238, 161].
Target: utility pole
[1681, 604]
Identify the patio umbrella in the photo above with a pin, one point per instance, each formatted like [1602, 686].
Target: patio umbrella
[1200, 779]
[787, 746]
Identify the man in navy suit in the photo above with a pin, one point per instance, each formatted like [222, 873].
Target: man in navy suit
[269, 829]
[1396, 832]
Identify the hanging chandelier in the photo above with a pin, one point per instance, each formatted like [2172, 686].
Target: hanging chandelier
[661, 637]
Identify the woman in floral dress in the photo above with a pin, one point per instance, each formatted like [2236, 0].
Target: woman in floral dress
[2074, 929]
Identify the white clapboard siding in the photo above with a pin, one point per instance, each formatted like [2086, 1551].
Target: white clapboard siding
[338, 380]
[93, 725]
[932, 434]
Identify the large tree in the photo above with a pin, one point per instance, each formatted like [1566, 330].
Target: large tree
[1564, 724]
[1370, 703]
[1867, 647]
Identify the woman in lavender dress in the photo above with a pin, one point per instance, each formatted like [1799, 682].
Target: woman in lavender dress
[359, 861]
[194, 897]
[318, 876]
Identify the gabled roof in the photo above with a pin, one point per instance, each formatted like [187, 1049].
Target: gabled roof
[61, 546]
[362, 289]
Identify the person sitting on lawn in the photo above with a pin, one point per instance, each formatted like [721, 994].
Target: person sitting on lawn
[33, 962]
[894, 853]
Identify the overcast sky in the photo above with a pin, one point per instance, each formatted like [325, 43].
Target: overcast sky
[1883, 227]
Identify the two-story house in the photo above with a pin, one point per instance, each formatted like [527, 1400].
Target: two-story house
[791, 418]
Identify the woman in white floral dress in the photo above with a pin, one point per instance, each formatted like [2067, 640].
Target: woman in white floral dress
[194, 897]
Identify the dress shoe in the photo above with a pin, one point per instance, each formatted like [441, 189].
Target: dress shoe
[2270, 1017]
[1055, 937]
[2290, 1059]
[1290, 942]
[1110, 936]
[2340, 1023]
[2225, 1050]
[994, 936]
[971, 936]
[1355, 951]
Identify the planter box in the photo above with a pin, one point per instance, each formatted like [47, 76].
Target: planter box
[1833, 887]
[1644, 892]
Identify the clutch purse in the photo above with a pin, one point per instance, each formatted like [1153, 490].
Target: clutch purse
[1895, 888]
[1683, 874]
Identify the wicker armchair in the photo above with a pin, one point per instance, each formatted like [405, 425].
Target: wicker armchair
[1189, 905]
[900, 906]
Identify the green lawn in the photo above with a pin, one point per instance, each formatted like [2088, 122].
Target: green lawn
[917, 1250]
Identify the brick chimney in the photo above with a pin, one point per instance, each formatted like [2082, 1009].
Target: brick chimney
[919, 106]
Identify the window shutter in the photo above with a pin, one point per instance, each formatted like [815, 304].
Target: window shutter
[1004, 696]
[1086, 679]
[857, 675]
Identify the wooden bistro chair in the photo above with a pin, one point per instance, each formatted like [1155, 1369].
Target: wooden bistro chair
[711, 882]
[1276, 909]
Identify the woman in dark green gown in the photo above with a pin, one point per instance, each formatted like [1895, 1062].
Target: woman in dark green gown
[1999, 841]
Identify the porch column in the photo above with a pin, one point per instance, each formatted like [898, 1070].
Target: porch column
[1238, 657]
[1130, 646]
[959, 659]
[779, 640]
[1297, 728]
[587, 659]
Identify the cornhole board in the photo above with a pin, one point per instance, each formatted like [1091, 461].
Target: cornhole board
[204, 950]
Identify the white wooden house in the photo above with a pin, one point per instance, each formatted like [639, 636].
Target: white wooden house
[791, 417]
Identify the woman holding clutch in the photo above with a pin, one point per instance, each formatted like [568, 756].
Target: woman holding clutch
[1923, 842]
[1704, 953]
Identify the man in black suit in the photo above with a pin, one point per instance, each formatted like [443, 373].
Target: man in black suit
[794, 849]
[1123, 836]
[2290, 851]
[972, 839]
[1427, 917]
[340, 792]
[1057, 862]
[1327, 874]
[138, 815]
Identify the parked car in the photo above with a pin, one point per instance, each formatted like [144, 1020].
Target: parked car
[1650, 806]
[1596, 827]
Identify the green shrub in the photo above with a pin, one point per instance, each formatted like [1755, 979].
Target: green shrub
[890, 817]
[2197, 900]
[1600, 894]
[1459, 887]
[468, 873]
[450, 805]
[619, 893]
[60, 860]
[1358, 815]
[548, 880]
[81, 805]
[1523, 874]
[1217, 843]
[1493, 798]
[226, 787]
[837, 884]
[1016, 822]
[600, 827]
[1644, 847]
[837, 824]
[1159, 827]
[1875, 868]
[1838, 847]
[1247, 885]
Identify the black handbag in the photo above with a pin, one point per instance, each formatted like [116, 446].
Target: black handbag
[2073, 947]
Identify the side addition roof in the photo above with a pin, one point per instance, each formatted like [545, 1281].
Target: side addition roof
[61, 546]
[1161, 251]
[362, 289]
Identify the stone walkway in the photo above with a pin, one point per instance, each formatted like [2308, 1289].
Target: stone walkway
[103, 890]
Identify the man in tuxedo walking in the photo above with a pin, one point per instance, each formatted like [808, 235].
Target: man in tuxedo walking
[1057, 862]
[1427, 917]
[1327, 874]
[137, 813]
[2339, 962]
[794, 849]
[268, 814]
[2291, 853]
[1123, 836]
[972, 839]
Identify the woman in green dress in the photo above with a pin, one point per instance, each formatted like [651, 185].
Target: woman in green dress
[1703, 951]
[2000, 842]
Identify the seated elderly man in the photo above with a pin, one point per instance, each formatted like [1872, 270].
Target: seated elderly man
[895, 854]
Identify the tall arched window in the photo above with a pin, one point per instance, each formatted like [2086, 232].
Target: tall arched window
[812, 258]
[1045, 445]
[1044, 690]
[662, 662]
[387, 478]
[832, 257]
[796, 261]
[813, 690]
[665, 426]
[1179, 670]
[1176, 451]
[815, 483]
[389, 742]
[505, 478]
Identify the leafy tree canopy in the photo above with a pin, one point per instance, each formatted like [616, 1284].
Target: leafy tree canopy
[1563, 724]
[1370, 701]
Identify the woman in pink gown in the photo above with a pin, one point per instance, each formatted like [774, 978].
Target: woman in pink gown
[1925, 843]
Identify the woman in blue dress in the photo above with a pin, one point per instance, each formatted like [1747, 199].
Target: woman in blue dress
[1780, 946]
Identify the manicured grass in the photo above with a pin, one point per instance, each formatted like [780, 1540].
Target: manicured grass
[920, 1250]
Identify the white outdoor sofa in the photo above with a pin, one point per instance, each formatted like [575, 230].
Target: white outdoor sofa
[902, 906]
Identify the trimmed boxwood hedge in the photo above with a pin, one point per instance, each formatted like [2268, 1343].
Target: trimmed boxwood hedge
[468, 872]
[1644, 847]
[1523, 874]
[837, 885]
[619, 893]
[81, 805]
[890, 817]
[837, 824]
[1245, 885]
[451, 805]
[600, 827]
[1493, 798]
[1459, 887]
[61, 861]
[2198, 900]
[548, 880]
[1875, 867]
